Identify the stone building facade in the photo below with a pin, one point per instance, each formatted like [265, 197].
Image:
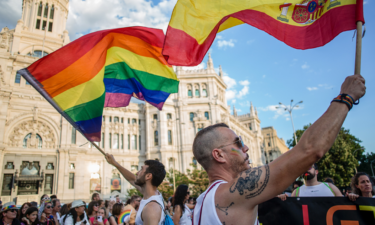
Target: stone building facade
[40, 152]
[273, 145]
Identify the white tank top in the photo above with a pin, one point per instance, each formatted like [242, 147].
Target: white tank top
[320, 190]
[157, 198]
[208, 210]
[186, 217]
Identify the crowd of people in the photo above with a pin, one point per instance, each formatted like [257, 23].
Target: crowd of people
[234, 191]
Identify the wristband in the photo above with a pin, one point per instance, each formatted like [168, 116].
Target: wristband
[346, 99]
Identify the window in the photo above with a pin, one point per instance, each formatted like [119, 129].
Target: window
[103, 140]
[9, 166]
[155, 116]
[18, 78]
[50, 25]
[48, 184]
[139, 122]
[269, 144]
[7, 185]
[116, 119]
[110, 140]
[37, 24]
[169, 137]
[128, 120]
[169, 116]
[71, 180]
[134, 142]
[103, 119]
[72, 167]
[110, 119]
[44, 25]
[199, 129]
[191, 116]
[156, 138]
[122, 141]
[190, 94]
[52, 13]
[27, 83]
[122, 120]
[115, 141]
[134, 121]
[45, 11]
[28, 138]
[204, 93]
[40, 9]
[74, 135]
[250, 127]
[129, 141]
[139, 144]
[197, 93]
[207, 115]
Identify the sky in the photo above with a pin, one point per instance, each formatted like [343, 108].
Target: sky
[258, 68]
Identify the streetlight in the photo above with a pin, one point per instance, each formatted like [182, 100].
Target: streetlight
[290, 109]
[371, 167]
[353, 156]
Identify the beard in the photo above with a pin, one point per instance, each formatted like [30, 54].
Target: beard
[140, 181]
[309, 176]
[240, 165]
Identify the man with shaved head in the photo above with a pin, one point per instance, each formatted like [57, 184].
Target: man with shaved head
[236, 189]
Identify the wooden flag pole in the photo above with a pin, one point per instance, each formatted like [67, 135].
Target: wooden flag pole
[358, 51]
[97, 147]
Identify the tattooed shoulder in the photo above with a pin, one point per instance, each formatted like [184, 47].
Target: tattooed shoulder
[249, 182]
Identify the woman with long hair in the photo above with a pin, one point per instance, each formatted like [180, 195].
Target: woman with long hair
[76, 215]
[30, 217]
[100, 218]
[361, 186]
[116, 212]
[182, 214]
[63, 211]
[45, 214]
[92, 209]
[22, 210]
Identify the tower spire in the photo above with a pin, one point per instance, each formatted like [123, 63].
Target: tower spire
[234, 111]
[220, 71]
[210, 64]
[252, 112]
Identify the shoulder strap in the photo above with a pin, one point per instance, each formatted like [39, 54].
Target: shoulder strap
[200, 213]
[329, 188]
[297, 191]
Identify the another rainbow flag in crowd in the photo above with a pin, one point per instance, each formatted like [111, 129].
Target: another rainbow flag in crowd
[103, 69]
[301, 24]
[124, 217]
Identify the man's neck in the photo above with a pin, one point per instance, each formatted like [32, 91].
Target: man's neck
[148, 191]
[7, 220]
[221, 174]
[312, 182]
[367, 194]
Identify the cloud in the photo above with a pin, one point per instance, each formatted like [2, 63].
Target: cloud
[312, 88]
[279, 112]
[224, 43]
[305, 66]
[10, 13]
[365, 2]
[325, 86]
[230, 94]
[229, 81]
[245, 83]
[249, 42]
[233, 101]
[244, 91]
[264, 76]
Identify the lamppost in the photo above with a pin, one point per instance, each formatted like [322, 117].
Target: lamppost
[353, 156]
[290, 109]
[371, 167]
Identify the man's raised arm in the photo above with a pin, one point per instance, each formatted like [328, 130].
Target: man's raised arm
[129, 176]
[257, 185]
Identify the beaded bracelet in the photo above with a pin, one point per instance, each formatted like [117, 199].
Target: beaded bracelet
[347, 99]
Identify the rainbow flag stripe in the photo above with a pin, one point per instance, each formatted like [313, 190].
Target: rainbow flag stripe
[9, 207]
[124, 217]
[104, 69]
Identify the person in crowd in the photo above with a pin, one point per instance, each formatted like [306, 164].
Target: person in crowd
[8, 214]
[1, 204]
[22, 210]
[361, 186]
[236, 189]
[100, 218]
[182, 214]
[297, 184]
[53, 197]
[329, 180]
[146, 181]
[34, 204]
[134, 202]
[118, 199]
[45, 214]
[116, 212]
[56, 209]
[95, 197]
[92, 209]
[64, 210]
[76, 214]
[44, 198]
[101, 203]
[109, 206]
[168, 206]
[31, 217]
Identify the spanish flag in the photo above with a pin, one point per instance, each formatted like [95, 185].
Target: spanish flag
[301, 24]
[103, 69]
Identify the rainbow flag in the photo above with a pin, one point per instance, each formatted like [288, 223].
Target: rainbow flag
[103, 69]
[124, 217]
[301, 24]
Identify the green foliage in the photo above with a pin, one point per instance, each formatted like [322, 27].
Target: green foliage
[365, 165]
[342, 158]
[133, 191]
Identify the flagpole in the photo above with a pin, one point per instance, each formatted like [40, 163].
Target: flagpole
[358, 51]
[97, 147]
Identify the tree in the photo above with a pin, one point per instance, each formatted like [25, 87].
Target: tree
[339, 162]
[198, 180]
[365, 163]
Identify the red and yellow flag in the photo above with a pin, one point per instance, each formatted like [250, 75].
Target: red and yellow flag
[301, 24]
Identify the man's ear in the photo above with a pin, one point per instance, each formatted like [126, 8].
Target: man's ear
[148, 176]
[219, 155]
[316, 172]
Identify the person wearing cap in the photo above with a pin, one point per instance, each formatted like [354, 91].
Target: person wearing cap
[8, 214]
[77, 214]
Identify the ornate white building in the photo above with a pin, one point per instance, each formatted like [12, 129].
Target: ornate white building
[41, 153]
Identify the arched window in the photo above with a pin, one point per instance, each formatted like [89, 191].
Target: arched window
[190, 93]
[28, 138]
[197, 94]
[134, 121]
[40, 9]
[156, 138]
[116, 119]
[37, 53]
[45, 11]
[204, 90]
[52, 14]
[169, 116]
[191, 116]
[207, 115]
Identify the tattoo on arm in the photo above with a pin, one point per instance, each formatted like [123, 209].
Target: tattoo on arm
[250, 185]
[224, 209]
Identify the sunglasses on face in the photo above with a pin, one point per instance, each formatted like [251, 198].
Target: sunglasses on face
[96, 205]
[12, 210]
[238, 142]
[188, 192]
[48, 207]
